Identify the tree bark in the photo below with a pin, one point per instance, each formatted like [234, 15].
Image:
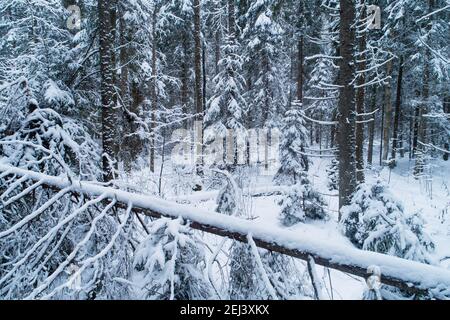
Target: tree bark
[360, 98]
[346, 105]
[422, 121]
[416, 124]
[107, 86]
[300, 62]
[397, 117]
[198, 83]
[373, 105]
[153, 91]
[184, 77]
[388, 113]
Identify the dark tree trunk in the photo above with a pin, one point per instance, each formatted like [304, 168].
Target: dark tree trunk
[107, 91]
[388, 114]
[217, 44]
[346, 134]
[124, 152]
[184, 77]
[153, 91]
[360, 98]
[205, 78]
[198, 82]
[300, 62]
[415, 130]
[373, 104]
[398, 111]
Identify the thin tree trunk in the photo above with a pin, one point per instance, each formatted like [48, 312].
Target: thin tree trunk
[217, 44]
[184, 77]
[106, 86]
[397, 117]
[388, 114]
[422, 121]
[416, 128]
[373, 105]
[360, 98]
[124, 152]
[198, 83]
[205, 78]
[422, 130]
[346, 134]
[153, 91]
[300, 62]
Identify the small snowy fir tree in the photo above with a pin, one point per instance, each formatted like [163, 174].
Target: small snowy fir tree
[170, 264]
[225, 109]
[376, 221]
[300, 201]
[333, 175]
[244, 282]
[294, 141]
[245, 277]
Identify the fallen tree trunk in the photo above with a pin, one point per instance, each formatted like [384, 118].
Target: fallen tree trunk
[411, 276]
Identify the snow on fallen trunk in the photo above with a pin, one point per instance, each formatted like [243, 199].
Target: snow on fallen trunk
[395, 271]
[211, 195]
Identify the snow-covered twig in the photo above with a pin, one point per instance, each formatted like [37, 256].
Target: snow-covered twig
[261, 269]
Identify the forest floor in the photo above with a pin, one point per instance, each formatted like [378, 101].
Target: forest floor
[429, 195]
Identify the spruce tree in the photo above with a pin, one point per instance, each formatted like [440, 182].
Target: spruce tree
[170, 263]
[300, 201]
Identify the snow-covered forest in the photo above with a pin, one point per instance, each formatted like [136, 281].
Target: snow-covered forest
[224, 149]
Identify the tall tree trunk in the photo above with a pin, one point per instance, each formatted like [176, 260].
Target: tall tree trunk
[205, 78]
[300, 62]
[198, 84]
[360, 98]
[398, 111]
[416, 124]
[124, 152]
[373, 105]
[184, 77]
[107, 86]
[153, 91]
[422, 121]
[387, 113]
[346, 131]
[217, 44]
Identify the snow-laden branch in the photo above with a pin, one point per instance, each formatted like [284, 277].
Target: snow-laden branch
[34, 214]
[260, 265]
[433, 13]
[429, 145]
[408, 275]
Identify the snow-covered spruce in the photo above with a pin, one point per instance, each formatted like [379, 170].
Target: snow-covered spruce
[170, 263]
[246, 274]
[294, 141]
[48, 236]
[244, 282]
[376, 221]
[333, 175]
[301, 201]
[50, 143]
[225, 110]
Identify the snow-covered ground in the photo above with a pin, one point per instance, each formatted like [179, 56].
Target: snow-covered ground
[431, 197]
